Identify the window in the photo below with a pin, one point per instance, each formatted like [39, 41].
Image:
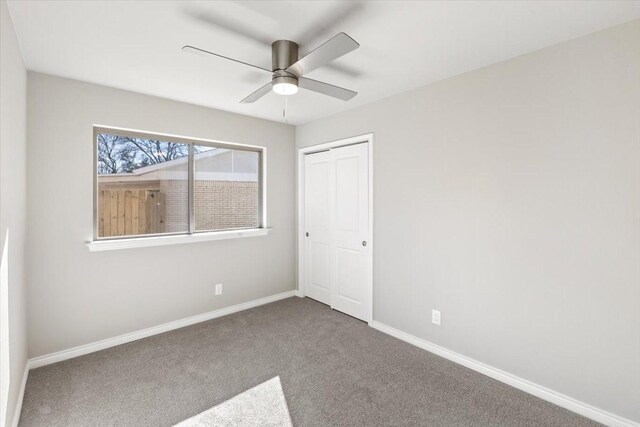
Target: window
[150, 185]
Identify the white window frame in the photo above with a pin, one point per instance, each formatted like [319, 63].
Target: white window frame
[192, 235]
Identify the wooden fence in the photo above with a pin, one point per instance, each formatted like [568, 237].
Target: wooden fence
[125, 212]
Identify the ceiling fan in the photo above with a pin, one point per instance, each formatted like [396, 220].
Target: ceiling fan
[288, 70]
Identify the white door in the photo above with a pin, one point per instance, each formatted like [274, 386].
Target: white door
[336, 210]
[350, 287]
[317, 227]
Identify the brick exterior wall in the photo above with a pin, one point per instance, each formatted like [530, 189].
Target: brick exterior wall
[218, 204]
[225, 204]
[176, 199]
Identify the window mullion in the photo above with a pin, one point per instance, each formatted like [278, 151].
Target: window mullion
[190, 175]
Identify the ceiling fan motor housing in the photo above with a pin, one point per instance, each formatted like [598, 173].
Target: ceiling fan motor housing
[284, 53]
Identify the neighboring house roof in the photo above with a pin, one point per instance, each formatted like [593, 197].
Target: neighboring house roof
[169, 164]
[176, 162]
[175, 170]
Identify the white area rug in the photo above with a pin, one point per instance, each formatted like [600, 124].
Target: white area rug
[263, 405]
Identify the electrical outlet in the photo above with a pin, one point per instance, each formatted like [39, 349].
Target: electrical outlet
[435, 317]
[219, 289]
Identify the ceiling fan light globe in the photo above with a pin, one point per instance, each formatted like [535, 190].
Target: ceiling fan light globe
[285, 85]
[285, 88]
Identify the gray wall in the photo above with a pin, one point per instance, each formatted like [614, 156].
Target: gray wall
[77, 297]
[13, 145]
[508, 198]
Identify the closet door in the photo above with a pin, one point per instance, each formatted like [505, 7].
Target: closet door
[317, 226]
[349, 206]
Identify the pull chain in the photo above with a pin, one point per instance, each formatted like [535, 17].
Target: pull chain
[284, 110]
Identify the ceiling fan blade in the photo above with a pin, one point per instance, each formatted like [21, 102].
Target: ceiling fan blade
[258, 94]
[202, 52]
[326, 89]
[335, 47]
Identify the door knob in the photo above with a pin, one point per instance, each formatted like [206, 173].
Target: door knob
[364, 243]
[306, 234]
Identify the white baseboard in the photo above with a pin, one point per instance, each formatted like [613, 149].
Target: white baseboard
[298, 294]
[554, 397]
[81, 350]
[18, 408]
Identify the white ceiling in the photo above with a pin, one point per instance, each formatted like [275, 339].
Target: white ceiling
[135, 45]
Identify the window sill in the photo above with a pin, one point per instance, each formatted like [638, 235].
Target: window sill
[143, 242]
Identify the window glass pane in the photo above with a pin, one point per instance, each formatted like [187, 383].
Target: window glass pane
[142, 186]
[226, 188]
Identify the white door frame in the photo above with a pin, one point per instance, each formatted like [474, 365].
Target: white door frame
[366, 138]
